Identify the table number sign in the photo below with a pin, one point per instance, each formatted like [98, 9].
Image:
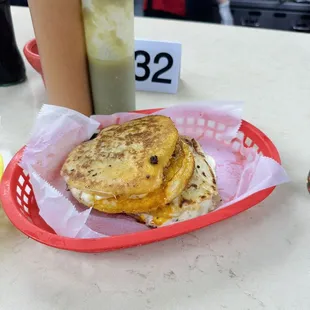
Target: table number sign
[158, 65]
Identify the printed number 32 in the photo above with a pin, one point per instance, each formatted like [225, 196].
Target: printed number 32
[145, 66]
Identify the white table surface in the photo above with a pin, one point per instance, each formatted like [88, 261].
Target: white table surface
[259, 259]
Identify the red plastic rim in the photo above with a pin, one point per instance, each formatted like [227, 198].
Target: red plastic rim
[31, 49]
[45, 236]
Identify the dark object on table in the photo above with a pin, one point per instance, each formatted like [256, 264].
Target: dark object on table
[12, 68]
[194, 10]
[308, 182]
[19, 2]
[203, 11]
[272, 14]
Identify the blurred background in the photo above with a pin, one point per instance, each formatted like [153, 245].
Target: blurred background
[292, 15]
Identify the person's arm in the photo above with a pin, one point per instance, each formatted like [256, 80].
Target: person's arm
[59, 32]
[225, 13]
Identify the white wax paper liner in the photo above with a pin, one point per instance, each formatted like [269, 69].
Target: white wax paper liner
[185, 117]
[68, 222]
[48, 147]
[240, 171]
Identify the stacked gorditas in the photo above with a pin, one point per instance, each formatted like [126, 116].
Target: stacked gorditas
[145, 169]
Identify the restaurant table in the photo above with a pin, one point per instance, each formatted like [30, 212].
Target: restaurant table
[259, 259]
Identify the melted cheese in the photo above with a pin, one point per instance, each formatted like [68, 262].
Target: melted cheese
[90, 199]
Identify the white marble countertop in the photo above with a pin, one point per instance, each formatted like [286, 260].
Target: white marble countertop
[259, 259]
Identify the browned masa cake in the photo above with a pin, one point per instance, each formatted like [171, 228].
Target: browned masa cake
[119, 160]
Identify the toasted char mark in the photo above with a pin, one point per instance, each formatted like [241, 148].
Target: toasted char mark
[176, 160]
[128, 137]
[185, 201]
[213, 176]
[93, 136]
[195, 145]
[187, 140]
[137, 132]
[154, 160]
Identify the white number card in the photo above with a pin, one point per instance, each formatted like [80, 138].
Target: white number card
[158, 65]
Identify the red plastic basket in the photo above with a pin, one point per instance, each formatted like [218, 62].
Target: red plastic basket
[19, 204]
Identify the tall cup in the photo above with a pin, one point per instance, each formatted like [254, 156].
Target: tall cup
[59, 32]
[109, 35]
